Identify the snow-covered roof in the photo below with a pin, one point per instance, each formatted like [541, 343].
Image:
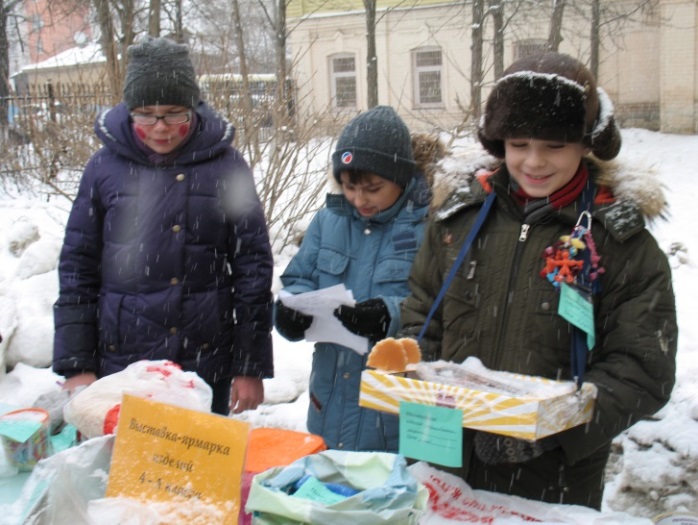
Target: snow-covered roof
[87, 54]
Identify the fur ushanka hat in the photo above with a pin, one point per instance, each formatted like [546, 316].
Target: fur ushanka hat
[550, 96]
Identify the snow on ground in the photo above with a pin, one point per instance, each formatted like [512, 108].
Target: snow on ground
[656, 469]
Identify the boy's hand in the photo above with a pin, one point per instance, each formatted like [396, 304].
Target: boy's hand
[291, 323]
[369, 318]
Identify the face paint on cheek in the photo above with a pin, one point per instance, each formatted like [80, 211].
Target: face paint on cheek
[183, 130]
[140, 132]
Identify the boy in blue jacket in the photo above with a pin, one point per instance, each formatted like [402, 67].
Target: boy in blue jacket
[365, 238]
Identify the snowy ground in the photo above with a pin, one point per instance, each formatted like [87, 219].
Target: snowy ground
[656, 469]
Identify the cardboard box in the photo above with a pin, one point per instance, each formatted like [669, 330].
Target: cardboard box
[521, 417]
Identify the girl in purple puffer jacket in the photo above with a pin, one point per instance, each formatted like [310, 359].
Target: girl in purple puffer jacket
[166, 252]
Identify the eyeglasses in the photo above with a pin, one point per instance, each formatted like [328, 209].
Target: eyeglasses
[170, 118]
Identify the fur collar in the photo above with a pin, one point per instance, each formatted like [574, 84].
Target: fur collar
[629, 182]
[635, 183]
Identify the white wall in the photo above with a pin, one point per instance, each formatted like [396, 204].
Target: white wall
[647, 63]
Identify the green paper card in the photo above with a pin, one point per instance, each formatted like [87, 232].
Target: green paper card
[314, 490]
[430, 433]
[578, 310]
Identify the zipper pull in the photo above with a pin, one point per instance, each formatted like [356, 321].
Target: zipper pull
[523, 234]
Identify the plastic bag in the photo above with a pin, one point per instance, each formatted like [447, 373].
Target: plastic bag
[452, 501]
[383, 491]
[61, 487]
[95, 410]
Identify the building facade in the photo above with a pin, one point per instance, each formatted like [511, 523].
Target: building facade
[647, 57]
[47, 28]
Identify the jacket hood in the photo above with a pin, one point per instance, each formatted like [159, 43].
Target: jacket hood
[628, 181]
[636, 183]
[212, 136]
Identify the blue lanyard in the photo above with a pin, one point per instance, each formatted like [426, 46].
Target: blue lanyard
[579, 349]
[479, 221]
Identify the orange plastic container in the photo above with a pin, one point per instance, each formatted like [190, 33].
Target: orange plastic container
[275, 447]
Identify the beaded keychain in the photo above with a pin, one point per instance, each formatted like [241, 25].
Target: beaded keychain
[568, 259]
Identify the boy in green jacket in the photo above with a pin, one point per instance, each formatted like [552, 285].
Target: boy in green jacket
[555, 204]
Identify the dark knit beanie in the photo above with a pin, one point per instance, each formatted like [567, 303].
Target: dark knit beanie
[550, 96]
[159, 72]
[376, 141]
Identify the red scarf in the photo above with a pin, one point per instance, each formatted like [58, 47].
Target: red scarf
[561, 198]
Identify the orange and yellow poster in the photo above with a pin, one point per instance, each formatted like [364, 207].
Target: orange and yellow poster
[164, 453]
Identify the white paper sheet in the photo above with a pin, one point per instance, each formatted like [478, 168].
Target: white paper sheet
[326, 328]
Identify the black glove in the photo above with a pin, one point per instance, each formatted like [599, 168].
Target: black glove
[369, 318]
[291, 323]
[493, 449]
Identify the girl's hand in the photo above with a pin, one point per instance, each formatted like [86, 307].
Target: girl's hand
[80, 380]
[246, 393]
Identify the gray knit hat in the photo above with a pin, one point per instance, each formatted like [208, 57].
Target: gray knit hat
[376, 141]
[550, 96]
[159, 72]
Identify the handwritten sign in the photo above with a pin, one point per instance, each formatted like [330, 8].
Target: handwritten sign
[166, 453]
[431, 433]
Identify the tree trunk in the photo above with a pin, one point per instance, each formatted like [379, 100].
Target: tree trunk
[107, 40]
[371, 58]
[496, 8]
[283, 109]
[4, 65]
[476, 34]
[595, 40]
[555, 34]
[127, 18]
[284, 93]
[249, 129]
[179, 23]
[240, 43]
[154, 18]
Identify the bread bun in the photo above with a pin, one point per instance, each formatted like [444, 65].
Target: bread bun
[412, 351]
[394, 355]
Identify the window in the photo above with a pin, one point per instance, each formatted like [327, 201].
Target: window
[343, 79]
[427, 65]
[532, 46]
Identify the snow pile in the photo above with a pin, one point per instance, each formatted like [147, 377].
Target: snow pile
[29, 250]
